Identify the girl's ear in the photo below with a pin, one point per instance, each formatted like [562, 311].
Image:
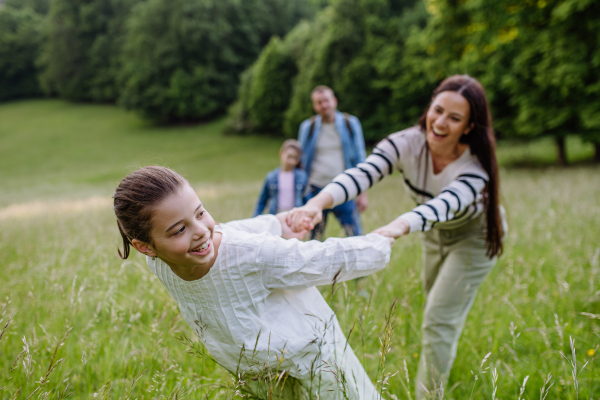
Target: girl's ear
[143, 248]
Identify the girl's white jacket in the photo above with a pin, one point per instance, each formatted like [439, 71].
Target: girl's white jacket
[259, 306]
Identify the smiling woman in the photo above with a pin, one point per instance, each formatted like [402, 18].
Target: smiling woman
[449, 168]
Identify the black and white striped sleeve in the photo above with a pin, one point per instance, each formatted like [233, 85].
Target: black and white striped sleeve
[384, 159]
[456, 201]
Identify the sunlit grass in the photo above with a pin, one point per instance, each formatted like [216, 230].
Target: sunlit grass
[59, 270]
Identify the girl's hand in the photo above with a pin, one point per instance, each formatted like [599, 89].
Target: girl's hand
[304, 218]
[310, 214]
[286, 230]
[395, 229]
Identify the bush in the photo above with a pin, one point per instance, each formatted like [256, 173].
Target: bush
[20, 39]
[264, 91]
[81, 55]
[358, 48]
[184, 57]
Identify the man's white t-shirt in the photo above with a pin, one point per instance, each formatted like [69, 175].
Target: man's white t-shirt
[328, 161]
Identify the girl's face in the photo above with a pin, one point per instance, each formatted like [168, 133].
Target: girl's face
[446, 121]
[289, 158]
[182, 233]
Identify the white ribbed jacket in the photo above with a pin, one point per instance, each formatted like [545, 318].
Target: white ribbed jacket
[260, 294]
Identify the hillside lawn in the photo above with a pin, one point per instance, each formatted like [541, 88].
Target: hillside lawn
[59, 269]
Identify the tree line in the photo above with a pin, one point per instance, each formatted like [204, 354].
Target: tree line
[169, 60]
[539, 61]
[174, 60]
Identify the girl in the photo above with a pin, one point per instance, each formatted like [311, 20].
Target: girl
[284, 186]
[449, 167]
[249, 294]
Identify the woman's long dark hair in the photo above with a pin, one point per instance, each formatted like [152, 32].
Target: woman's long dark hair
[482, 143]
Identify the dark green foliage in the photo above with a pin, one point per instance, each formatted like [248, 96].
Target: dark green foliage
[20, 39]
[538, 60]
[81, 55]
[184, 57]
[39, 6]
[268, 89]
[360, 50]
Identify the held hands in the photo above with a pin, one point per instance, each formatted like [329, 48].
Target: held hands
[310, 214]
[286, 230]
[304, 218]
[395, 229]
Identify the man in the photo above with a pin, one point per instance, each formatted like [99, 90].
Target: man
[331, 143]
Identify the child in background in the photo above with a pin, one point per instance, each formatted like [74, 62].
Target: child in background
[241, 285]
[284, 186]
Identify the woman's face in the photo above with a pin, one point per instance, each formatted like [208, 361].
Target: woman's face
[182, 231]
[446, 121]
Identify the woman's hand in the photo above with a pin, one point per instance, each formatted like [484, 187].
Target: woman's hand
[286, 230]
[395, 229]
[304, 218]
[310, 214]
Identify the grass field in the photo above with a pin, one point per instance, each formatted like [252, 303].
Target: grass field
[60, 274]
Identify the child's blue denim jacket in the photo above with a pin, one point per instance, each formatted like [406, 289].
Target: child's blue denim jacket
[270, 191]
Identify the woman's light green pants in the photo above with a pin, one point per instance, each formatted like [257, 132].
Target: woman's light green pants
[454, 266]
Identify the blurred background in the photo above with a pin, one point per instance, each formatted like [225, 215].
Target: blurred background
[92, 89]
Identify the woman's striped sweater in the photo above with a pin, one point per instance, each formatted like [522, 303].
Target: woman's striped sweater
[445, 200]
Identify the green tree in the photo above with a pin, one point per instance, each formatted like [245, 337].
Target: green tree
[80, 59]
[360, 49]
[20, 40]
[184, 57]
[537, 59]
[39, 6]
[270, 86]
[255, 109]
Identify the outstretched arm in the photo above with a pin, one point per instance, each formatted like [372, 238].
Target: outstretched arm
[293, 265]
[274, 224]
[349, 184]
[457, 202]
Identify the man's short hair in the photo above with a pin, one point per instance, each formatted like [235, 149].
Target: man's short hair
[321, 89]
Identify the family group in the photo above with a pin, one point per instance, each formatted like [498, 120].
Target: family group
[248, 287]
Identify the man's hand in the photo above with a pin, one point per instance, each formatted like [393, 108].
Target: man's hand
[286, 230]
[362, 202]
[395, 229]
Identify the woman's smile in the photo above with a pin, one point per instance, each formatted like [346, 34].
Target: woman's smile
[447, 120]
[437, 132]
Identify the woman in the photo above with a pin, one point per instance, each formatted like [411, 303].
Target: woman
[449, 167]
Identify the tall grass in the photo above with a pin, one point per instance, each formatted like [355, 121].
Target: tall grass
[76, 320]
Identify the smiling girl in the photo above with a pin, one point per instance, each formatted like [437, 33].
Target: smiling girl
[241, 285]
[448, 166]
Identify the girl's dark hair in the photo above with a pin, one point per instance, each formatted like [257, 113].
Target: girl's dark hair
[482, 143]
[135, 199]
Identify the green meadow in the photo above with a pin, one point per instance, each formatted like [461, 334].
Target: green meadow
[77, 320]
